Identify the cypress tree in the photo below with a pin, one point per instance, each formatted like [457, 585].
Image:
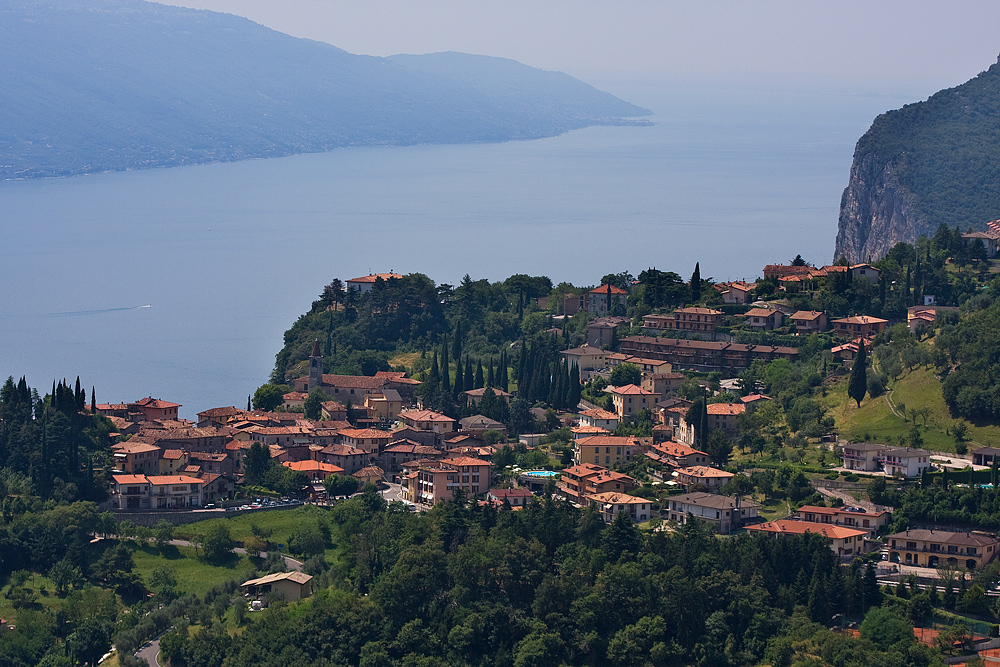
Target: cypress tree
[329, 336]
[93, 400]
[248, 403]
[79, 395]
[434, 378]
[489, 373]
[445, 367]
[469, 380]
[459, 378]
[696, 283]
[574, 387]
[503, 381]
[857, 386]
[456, 350]
[480, 382]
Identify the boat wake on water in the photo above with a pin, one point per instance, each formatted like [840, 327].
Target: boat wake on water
[95, 312]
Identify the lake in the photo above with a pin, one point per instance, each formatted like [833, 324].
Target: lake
[226, 256]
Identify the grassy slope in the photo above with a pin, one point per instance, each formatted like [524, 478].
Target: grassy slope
[194, 575]
[38, 583]
[280, 523]
[919, 388]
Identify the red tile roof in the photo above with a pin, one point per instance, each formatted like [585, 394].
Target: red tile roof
[603, 289]
[372, 277]
[800, 527]
[630, 390]
[464, 461]
[730, 409]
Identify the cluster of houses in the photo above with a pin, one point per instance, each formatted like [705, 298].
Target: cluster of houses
[170, 463]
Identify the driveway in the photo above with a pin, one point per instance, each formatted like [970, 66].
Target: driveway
[290, 562]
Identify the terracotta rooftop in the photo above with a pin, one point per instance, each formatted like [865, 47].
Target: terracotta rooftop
[786, 526]
[629, 390]
[726, 409]
[615, 498]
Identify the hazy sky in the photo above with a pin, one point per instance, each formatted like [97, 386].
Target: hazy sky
[925, 42]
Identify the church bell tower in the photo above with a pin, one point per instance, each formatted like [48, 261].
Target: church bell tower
[315, 367]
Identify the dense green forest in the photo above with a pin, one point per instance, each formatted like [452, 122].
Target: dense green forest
[53, 446]
[475, 585]
[944, 150]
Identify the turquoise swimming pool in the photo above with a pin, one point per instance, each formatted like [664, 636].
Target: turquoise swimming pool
[541, 473]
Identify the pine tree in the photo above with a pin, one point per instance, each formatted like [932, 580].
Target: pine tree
[696, 283]
[857, 386]
[480, 381]
[445, 367]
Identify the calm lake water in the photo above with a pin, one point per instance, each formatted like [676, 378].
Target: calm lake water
[226, 256]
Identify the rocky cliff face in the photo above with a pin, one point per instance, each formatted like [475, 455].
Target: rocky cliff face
[876, 212]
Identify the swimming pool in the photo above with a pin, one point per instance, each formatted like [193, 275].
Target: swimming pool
[541, 473]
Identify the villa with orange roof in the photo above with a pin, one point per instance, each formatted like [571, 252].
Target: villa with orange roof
[156, 491]
[809, 321]
[427, 420]
[629, 400]
[611, 503]
[366, 283]
[601, 300]
[838, 516]
[735, 292]
[702, 320]
[586, 479]
[370, 440]
[843, 541]
[585, 431]
[764, 319]
[429, 482]
[600, 418]
[859, 325]
[724, 415]
[710, 478]
[677, 455]
[137, 457]
[351, 459]
[315, 470]
[606, 450]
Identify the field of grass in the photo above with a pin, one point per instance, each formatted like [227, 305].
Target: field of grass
[194, 574]
[45, 591]
[406, 359]
[280, 523]
[918, 389]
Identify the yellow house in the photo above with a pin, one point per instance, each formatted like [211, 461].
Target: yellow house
[386, 405]
[931, 548]
[292, 585]
[605, 450]
[630, 399]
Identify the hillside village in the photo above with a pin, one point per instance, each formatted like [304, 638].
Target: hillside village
[772, 410]
[687, 370]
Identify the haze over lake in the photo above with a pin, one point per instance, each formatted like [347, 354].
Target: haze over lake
[226, 256]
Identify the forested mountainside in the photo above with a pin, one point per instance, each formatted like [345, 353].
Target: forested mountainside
[103, 85]
[927, 164]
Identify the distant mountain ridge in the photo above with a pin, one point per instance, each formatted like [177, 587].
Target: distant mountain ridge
[104, 85]
[929, 163]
